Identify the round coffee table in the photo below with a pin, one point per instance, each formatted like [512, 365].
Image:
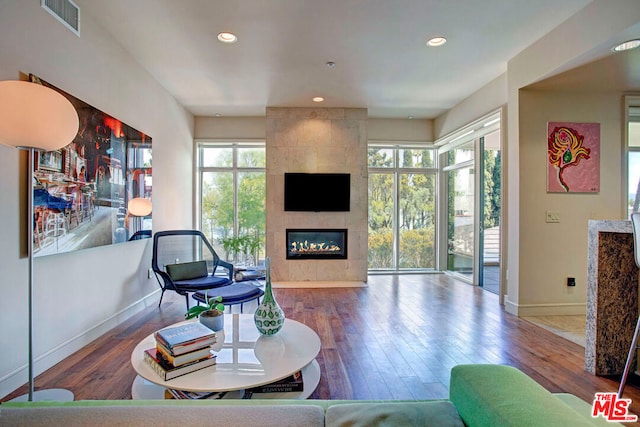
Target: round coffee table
[245, 359]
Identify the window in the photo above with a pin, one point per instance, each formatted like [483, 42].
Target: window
[633, 155]
[231, 182]
[402, 185]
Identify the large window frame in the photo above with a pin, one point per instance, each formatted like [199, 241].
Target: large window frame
[631, 148]
[396, 170]
[236, 170]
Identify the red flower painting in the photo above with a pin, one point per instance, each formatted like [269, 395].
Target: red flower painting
[573, 154]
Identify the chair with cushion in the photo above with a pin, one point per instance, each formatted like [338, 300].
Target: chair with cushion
[185, 262]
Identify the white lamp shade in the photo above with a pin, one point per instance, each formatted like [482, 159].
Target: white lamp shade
[139, 206]
[35, 116]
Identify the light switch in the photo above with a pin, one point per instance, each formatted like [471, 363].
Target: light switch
[552, 216]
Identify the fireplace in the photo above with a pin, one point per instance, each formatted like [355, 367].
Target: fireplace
[317, 243]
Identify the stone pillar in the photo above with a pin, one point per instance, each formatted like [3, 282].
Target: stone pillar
[612, 296]
[317, 140]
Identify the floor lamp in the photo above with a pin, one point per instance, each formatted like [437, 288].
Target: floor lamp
[138, 208]
[35, 118]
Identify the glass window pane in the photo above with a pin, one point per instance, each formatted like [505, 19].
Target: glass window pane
[251, 217]
[634, 182]
[251, 157]
[217, 157]
[416, 158]
[417, 221]
[380, 157]
[461, 153]
[460, 225]
[217, 208]
[634, 134]
[381, 221]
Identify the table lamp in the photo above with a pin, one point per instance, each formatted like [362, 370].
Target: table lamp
[35, 118]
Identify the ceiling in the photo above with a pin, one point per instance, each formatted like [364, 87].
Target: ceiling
[378, 46]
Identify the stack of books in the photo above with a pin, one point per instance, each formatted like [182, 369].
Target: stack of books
[181, 349]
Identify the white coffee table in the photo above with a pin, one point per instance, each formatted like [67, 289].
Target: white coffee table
[245, 359]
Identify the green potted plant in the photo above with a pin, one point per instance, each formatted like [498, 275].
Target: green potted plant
[211, 315]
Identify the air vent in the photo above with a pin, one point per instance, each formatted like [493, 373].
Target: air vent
[66, 12]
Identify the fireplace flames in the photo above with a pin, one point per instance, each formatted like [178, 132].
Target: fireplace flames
[313, 248]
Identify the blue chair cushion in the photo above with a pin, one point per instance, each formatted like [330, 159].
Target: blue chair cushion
[201, 283]
[233, 294]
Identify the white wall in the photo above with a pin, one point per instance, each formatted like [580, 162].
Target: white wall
[81, 294]
[589, 33]
[405, 130]
[487, 99]
[551, 252]
[232, 128]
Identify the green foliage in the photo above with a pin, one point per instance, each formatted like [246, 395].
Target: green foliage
[492, 167]
[219, 205]
[215, 303]
[380, 248]
[417, 248]
[243, 245]
[414, 204]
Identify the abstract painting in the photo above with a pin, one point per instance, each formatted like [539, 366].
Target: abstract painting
[573, 157]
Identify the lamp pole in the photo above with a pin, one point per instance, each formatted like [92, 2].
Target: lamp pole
[30, 250]
[34, 117]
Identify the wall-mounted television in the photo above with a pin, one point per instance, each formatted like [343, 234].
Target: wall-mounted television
[317, 192]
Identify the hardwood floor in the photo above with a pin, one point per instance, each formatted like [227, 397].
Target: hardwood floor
[397, 338]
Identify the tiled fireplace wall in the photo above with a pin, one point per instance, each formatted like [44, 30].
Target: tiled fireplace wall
[317, 140]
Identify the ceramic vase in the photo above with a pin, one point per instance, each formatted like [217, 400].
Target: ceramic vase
[268, 317]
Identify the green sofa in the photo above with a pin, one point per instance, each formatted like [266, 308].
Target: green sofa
[480, 395]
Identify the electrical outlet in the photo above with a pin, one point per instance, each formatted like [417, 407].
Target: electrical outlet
[571, 281]
[150, 273]
[552, 216]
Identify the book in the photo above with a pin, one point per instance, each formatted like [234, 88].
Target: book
[184, 358]
[289, 384]
[185, 338]
[168, 372]
[182, 394]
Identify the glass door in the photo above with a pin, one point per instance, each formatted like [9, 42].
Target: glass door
[491, 203]
[470, 198]
[460, 224]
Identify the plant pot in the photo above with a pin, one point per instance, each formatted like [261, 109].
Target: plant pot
[212, 319]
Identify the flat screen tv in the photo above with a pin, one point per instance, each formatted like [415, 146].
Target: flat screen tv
[317, 192]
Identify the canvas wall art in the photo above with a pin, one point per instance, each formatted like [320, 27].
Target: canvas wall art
[573, 157]
[82, 192]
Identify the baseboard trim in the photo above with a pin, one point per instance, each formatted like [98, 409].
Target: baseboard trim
[320, 284]
[561, 309]
[18, 377]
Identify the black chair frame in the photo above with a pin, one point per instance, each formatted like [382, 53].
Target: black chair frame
[185, 287]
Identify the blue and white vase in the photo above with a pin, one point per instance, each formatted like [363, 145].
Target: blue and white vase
[268, 317]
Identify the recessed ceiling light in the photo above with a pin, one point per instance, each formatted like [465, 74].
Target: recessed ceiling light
[331, 64]
[410, 117]
[227, 37]
[218, 115]
[318, 99]
[436, 41]
[630, 44]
